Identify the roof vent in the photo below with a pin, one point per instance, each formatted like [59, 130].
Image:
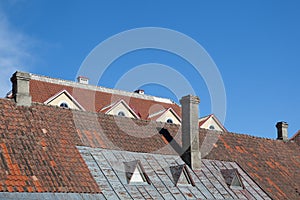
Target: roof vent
[139, 91]
[83, 80]
[282, 132]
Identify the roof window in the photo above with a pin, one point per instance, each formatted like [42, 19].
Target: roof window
[212, 127]
[232, 178]
[170, 121]
[121, 114]
[64, 105]
[181, 175]
[135, 173]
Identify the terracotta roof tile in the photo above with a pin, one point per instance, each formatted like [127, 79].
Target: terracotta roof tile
[33, 160]
[38, 149]
[93, 100]
[273, 164]
[296, 138]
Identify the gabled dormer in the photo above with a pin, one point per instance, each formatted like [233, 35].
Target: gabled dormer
[181, 175]
[135, 173]
[232, 178]
[65, 100]
[166, 115]
[120, 108]
[211, 122]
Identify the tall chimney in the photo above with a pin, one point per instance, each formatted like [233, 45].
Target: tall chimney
[282, 132]
[190, 131]
[20, 88]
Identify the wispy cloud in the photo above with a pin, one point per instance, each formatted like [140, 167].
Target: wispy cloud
[14, 53]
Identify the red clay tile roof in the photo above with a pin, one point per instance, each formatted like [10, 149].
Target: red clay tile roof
[38, 152]
[93, 100]
[273, 164]
[296, 138]
[38, 149]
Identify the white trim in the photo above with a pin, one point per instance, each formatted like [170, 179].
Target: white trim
[173, 112]
[157, 113]
[206, 118]
[162, 112]
[68, 95]
[125, 104]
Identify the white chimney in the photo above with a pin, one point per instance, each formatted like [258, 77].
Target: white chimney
[83, 80]
[282, 132]
[190, 131]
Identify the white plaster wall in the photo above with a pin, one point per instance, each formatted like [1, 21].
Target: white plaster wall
[63, 98]
[210, 122]
[168, 115]
[121, 107]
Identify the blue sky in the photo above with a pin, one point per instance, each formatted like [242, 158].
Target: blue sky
[255, 45]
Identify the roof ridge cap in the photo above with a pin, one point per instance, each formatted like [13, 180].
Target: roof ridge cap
[238, 134]
[99, 88]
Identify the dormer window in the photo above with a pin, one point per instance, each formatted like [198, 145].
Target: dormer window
[181, 175]
[170, 121]
[135, 173]
[232, 178]
[64, 105]
[121, 114]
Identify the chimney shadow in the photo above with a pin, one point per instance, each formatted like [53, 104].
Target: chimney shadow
[166, 134]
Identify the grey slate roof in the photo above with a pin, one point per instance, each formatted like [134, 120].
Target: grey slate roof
[107, 168]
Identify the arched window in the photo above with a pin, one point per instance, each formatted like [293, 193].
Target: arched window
[170, 121]
[64, 105]
[121, 113]
[211, 127]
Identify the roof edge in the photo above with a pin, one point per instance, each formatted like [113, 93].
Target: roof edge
[99, 88]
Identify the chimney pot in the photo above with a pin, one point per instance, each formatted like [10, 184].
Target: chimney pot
[282, 131]
[190, 131]
[83, 80]
[20, 91]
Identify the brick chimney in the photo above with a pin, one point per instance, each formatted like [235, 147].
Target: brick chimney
[282, 132]
[20, 88]
[190, 131]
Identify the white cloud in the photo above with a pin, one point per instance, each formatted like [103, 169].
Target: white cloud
[14, 53]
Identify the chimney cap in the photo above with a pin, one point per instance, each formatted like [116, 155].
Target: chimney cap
[282, 124]
[190, 98]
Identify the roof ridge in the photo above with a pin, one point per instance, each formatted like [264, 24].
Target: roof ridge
[246, 135]
[99, 88]
[295, 135]
[239, 134]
